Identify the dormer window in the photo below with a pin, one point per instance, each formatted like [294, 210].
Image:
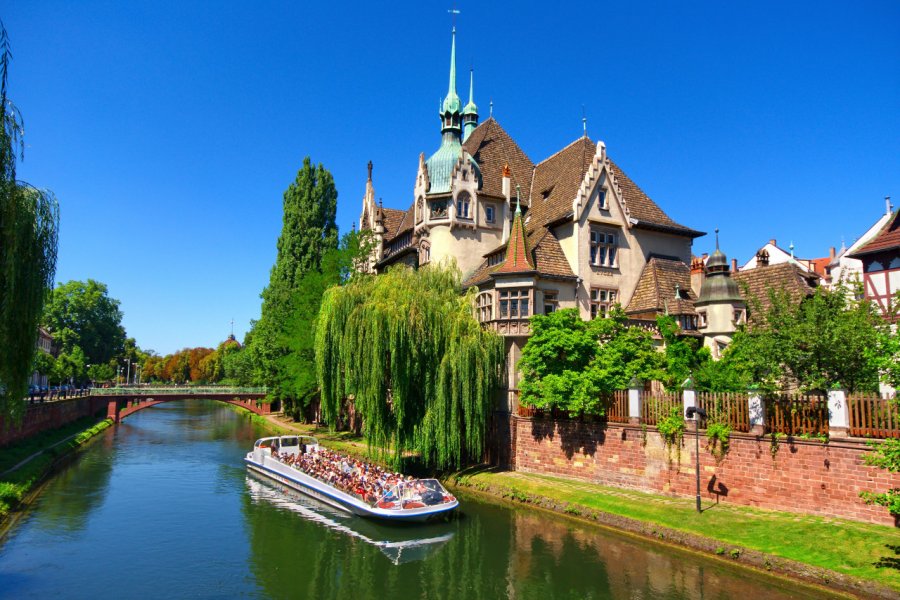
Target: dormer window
[703, 322]
[601, 200]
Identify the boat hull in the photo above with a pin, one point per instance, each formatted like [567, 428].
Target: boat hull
[303, 483]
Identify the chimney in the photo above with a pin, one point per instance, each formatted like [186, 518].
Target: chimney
[698, 274]
[831, 253]
[734, 265]
[887, 205]
[772, 241]
[705, 256]
[506, 182]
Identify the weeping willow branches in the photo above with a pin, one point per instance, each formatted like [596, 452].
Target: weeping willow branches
[421, 371]
[29, 221]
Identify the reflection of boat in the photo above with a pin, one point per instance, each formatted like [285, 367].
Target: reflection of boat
[396, 543]
[404, 500]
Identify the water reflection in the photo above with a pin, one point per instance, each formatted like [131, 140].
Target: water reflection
[162, 506]
[399, 544]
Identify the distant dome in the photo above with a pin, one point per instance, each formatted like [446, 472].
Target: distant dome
[718, 259]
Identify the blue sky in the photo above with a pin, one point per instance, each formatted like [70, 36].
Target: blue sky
[169, 130]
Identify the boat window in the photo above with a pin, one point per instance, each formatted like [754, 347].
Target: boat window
[290, 441]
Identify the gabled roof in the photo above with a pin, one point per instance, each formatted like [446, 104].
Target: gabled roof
[790, 277]
[558, 179]
[492, 148]
[392, 219]
[886, 239]
[545, 254]
[664, 286]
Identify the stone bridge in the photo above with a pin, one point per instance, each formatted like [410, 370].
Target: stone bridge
[124, 401]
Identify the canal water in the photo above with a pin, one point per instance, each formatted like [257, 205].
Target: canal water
[162, 507]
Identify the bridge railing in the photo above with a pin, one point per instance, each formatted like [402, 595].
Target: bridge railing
[192, 390]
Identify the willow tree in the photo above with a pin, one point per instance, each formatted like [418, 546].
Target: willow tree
[29, 220]
[408, 352]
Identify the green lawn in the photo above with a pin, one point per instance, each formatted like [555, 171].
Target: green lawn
[16, 484]
[861, 550]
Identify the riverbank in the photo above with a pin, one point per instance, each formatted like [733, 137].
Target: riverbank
[860, 558]
[24, 465]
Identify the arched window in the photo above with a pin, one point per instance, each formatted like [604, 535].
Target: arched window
[485, 305]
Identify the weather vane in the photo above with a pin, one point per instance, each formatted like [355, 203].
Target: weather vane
[453, 11]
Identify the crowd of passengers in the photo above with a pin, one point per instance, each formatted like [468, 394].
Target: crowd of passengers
[369, 482]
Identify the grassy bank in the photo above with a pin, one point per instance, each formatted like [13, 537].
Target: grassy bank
[51, 445]
[843, 553]
[840, 554]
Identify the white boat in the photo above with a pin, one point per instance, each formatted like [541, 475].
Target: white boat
[410, 500]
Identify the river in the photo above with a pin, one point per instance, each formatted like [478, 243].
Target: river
[162, 507]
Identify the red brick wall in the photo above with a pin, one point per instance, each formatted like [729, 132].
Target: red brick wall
[803, 476]
[50, 415]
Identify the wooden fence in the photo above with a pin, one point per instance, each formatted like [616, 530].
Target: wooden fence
[797, 414]
[731, 408]
[617, 406]
[872, 416]
[654, 407]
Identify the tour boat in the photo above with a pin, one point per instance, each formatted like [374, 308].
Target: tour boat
[399, 544]
[411, 500]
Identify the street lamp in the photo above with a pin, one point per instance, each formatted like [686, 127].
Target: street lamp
[118, 374]
[696, 413]
[128, 372]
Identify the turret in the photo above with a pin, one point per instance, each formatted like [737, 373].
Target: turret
[720, 305]
[470, 112]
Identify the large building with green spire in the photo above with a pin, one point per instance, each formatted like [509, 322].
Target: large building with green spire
[571, 231]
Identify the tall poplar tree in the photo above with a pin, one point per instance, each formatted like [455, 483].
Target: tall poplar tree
[308, 233]
[29, 222]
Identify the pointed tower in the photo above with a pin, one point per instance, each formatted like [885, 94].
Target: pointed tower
[470, 112]
[720, 305]
[518, 258]
[440, 164]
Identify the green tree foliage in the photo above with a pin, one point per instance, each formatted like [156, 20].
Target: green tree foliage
[29, 224]
[421, 371]
[569, 363]
[81, 313]
[298, 365]
[308, 233]
[822, 341]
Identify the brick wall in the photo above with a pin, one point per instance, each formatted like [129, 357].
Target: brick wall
[50, 415]
[803, 476]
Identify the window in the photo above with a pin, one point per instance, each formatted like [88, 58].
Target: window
[688, 322]
[485, 304]
[424, 253]
[738, 317]
[551, 302]
[601, 200]
[602, 300]
[439, 209]
[497, 258]
[703, 322]
[489, 213]
[514, 304]
[462, 207]
[604, 248]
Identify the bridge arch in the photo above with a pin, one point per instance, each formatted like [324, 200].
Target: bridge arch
[122, 402]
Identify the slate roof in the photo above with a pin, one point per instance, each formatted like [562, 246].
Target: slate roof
[544, 251]
[492, 148]
[655, 291]
[756, 283]
[886, 239]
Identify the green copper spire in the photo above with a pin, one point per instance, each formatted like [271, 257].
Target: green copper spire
[470, 112]
[451, 102]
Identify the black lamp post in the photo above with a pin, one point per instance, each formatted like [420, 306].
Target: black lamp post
[696, 413]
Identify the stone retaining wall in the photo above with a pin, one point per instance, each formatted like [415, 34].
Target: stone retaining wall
[795, 475]
[50, 415]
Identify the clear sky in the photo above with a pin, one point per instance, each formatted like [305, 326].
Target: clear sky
[169, 130]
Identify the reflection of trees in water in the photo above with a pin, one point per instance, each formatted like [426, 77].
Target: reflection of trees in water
[80, 487]
[293, 557]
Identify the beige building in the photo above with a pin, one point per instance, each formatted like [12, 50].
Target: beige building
[570, 231]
